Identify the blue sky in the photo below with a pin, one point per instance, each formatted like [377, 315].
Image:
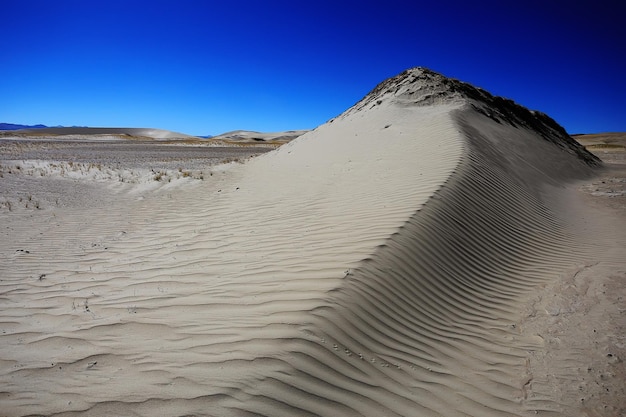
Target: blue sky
[207, 67]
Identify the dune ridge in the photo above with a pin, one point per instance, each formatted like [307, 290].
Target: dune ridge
[378, 265]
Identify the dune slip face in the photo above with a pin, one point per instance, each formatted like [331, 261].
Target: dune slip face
[381, 264]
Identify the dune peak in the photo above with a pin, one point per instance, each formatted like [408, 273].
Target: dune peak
[421, 86]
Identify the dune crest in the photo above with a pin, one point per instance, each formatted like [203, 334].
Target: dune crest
[380, 264]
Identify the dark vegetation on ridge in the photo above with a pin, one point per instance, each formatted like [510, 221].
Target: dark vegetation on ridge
[421, 86]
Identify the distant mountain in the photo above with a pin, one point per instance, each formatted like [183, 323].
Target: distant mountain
[13, 126]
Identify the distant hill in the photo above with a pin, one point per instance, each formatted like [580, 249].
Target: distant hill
[123, 132]
[244, 136]
[251, 136]
[13, 126]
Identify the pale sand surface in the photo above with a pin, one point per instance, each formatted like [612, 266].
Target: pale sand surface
[401, 259]
[580, 315]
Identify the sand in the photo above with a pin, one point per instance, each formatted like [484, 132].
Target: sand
[430, 252]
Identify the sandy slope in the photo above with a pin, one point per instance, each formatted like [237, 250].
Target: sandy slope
[394, 261]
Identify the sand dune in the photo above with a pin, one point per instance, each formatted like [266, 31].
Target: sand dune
[251, 136]
[394, 261]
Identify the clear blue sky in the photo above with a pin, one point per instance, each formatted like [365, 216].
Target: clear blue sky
[206, 67]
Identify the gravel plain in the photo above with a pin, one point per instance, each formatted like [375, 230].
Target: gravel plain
[125, 154]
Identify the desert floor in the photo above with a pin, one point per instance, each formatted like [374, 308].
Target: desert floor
[585, 312]
[42, 174]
